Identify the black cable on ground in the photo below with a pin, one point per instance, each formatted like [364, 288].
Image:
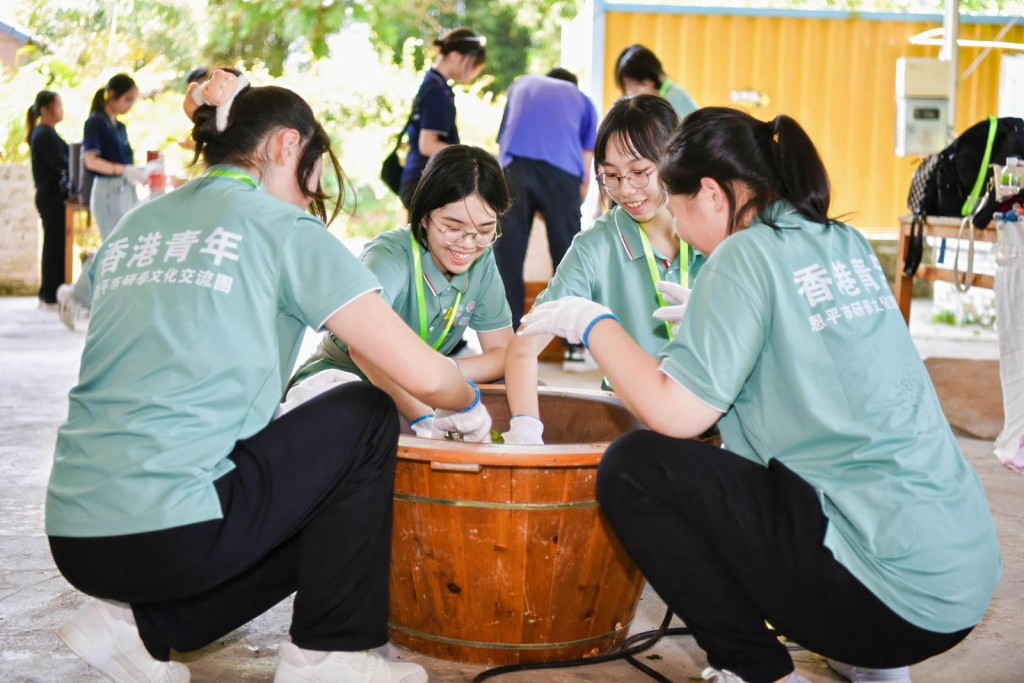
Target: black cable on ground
[626, 651]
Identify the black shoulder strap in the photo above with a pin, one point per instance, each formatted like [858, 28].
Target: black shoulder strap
[412, 114]
[916, 251]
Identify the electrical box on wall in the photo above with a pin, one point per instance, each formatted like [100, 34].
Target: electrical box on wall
[922, 106]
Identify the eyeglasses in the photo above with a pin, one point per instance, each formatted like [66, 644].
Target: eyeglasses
[637, 179]
[453, 236]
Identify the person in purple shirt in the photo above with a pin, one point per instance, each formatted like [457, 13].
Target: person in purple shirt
[546, 139]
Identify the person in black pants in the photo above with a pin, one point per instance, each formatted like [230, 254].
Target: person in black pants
[50, 174]
[179, 499]
[840, 509]
[546, 137]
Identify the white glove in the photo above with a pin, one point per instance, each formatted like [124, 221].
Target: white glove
[569, 317]
[423, 427]
[135, 175]
[677, 295]
[473, 423]
[524, 431]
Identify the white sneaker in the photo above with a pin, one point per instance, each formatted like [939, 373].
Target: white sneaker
[308, 666]
[67, 308]
[726, 676]
[862, 674]
[103, 633]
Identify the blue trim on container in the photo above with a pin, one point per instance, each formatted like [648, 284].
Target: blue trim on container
[629, 8]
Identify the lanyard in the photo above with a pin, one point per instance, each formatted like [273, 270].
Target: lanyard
[684, 269]
[230, 173]
[421, 299]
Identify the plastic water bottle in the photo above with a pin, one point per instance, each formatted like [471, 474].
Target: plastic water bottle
[1010, 180]
[1009, 238]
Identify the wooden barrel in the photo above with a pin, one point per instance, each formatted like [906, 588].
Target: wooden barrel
[500, 554]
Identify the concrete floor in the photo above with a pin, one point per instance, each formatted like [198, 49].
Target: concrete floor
[38, 365]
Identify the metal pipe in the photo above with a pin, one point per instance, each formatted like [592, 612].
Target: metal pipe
[951, 53]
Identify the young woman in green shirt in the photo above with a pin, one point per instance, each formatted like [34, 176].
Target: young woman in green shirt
[438, 274]
[623, 260]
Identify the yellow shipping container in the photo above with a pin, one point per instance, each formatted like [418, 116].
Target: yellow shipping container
[834, 72]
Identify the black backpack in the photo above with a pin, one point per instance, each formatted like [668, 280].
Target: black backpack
[943, 183]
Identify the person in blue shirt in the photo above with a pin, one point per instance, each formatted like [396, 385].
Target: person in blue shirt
[176, 498]
[841, 509]
[50, 175]
[546, 138]
[461, 56]
[108, 156]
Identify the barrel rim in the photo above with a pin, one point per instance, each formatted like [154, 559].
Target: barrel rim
[584, 454]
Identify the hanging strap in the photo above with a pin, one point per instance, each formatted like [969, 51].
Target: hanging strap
[964, 283]
[684, 269]
[401, 133]
[421, 300]
[971, 202]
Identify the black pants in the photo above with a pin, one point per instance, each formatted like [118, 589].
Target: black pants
[307, 510]
[51, 210]
[536, 187]
[728, 544]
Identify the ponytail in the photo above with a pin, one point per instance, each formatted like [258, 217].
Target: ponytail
[774, 160]
[30, 123]
[44, 98]
[118, 84]
[802, 176]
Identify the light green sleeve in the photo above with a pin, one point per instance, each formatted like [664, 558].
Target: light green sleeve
[492, 311]
[390, 266]
[720, 339]
[318, 274]
[576, 275]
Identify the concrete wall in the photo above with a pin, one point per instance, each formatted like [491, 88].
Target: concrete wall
[20, 233]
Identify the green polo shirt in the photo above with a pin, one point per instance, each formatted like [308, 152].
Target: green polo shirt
[606, 264]
[389, 256]
[796, 337]
[200, 301]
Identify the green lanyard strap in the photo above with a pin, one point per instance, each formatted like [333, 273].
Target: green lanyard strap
[971, 203]
[233, 174]
[684, 268]
[421, 299]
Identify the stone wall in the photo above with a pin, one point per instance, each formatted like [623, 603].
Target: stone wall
[20, 232]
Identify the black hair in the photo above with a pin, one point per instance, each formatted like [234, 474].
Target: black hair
[256, 113]
[454, 173]
[119, 84]
[44, 98]
[773, 159]
[196, 75]
[643, 124]
[638, 63]
[563, 75]
[465, 42]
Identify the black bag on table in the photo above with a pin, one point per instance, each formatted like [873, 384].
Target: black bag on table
[955, 182]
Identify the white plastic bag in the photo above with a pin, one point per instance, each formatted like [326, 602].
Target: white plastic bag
[313, 386]
[1009, 446]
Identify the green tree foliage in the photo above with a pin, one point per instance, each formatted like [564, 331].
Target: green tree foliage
[269, 32]
[122, 34]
